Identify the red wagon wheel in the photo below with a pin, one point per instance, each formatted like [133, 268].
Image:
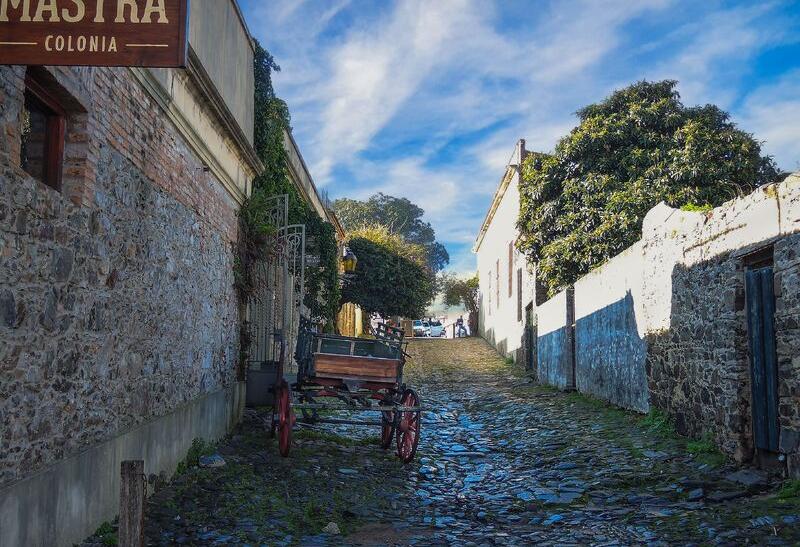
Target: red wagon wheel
[387, 428]
[408, 426]
[285, 419]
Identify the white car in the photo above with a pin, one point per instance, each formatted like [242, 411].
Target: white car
[419, 327]
[436, 329]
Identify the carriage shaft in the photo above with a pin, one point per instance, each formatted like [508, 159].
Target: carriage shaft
[319, 406]
[342, 421]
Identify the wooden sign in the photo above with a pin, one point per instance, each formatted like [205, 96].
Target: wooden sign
[143, 33]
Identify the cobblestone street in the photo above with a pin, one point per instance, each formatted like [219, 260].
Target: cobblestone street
[502, 461]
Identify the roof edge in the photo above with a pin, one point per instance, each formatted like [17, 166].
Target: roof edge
[514, 164]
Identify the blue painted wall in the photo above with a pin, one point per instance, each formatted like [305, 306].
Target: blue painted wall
[610, 356]
[555, 358]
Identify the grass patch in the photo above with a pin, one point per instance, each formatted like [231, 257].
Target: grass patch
[200, 447]
[599, 407]
[328, 437]
[790, 490]
[658, 423]
[705, 451]
[695, 208]
[106, 534]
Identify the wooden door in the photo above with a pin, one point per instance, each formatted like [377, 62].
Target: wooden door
[763, 357]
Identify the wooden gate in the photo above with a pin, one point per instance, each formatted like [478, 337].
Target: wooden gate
[763, 357]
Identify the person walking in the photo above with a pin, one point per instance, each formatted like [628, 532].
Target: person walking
[460, 330]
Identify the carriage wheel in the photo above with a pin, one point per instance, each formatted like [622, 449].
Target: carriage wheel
[285, 419]
[408, 426]
[387, 428]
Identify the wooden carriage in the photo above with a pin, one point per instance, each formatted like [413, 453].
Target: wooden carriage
[358, 375]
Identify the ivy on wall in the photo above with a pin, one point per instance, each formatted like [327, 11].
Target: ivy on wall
[271, 120]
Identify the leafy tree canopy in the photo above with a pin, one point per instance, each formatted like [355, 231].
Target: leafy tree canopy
[391, 276]
[460, 292]
[400, 216]
[585, 203]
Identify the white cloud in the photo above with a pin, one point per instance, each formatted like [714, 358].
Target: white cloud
[375, 72]
[714, 53]
[772, 113]
[426, 99]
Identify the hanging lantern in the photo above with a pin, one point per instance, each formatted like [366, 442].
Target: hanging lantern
[349, 260]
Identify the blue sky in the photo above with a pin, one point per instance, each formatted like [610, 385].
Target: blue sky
[426, 98]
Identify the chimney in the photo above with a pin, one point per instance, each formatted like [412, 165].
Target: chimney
[519, 153]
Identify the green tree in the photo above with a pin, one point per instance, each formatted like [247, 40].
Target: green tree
[585, 203]
[391, 276]
[400, 216]
[457, 291]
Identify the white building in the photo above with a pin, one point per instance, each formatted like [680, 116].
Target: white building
[506, 292]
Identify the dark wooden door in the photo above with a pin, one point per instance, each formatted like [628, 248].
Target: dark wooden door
[530, 339]
[763, 358]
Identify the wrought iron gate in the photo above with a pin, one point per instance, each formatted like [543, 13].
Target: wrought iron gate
[264, 322]
[274, 309]
[293, 259]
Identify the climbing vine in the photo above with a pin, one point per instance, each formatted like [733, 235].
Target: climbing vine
[256, 233]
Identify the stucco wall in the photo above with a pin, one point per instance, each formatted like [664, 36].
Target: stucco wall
[609, 349]
[64, 504]
[554, 344]
[498, 320]
[663, 325]
[217, 34]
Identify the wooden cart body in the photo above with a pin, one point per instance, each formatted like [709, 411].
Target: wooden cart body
[363, 375]
[355, 361]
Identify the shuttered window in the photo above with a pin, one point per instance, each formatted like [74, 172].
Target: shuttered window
[510, 269]
[497, 282]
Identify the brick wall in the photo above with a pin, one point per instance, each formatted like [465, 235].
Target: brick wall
[116, 299]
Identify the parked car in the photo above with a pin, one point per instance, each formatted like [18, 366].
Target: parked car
[427, 327]
[436, 329]
[418, 327]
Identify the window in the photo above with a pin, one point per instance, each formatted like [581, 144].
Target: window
[42, 134]
[489, 277]
[510, 269]
[519, 295]
[497, 282]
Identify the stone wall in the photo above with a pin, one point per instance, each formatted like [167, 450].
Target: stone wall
[787, 322]
[698, 369]
[663, 325]
[116, 298]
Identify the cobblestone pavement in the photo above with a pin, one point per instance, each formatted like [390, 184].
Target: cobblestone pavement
[502, 461]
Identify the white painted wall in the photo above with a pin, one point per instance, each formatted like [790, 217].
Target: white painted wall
[498, 320]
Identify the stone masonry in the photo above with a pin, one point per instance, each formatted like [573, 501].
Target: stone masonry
[663, 325]
[699, 367]
[116, 294]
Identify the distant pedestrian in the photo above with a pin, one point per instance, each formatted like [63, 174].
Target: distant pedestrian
[461, 331]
